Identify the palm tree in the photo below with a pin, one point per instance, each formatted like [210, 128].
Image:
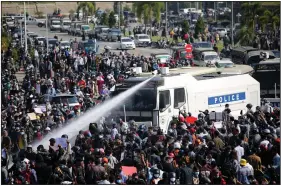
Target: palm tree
[270, 17]
[246, 36]
[250, 11]
[88, 9]
[148, 10]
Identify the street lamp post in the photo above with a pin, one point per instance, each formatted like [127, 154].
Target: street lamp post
[238, 17]
[25, 34]
[215, 10]
[47, 33]
[256, 21]
[166, 21]
[119, 16]
[232, 42]
[20, 33]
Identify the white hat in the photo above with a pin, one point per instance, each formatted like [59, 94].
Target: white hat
[48, 129]
[177, 145]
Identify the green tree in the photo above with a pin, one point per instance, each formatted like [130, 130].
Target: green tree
[246, 36]
[250, 10]
[200, 26]
[126, 8]
[116, 7]
[271, 18]
[185, 27]
[121, 19]
[111, 19]
[104, 19]
[88, 8]
[5, 42]
[148, 11]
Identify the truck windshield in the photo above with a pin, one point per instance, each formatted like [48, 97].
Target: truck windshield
[116, 32]
[143, 37]
[53, 42]
[67, 23]
[211, 57]
[55, 23]
[142, 100]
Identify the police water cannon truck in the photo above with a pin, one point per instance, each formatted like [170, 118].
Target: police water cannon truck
[189, 90]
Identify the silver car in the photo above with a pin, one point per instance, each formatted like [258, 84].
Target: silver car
[114, 34]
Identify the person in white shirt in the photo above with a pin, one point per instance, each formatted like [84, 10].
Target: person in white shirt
[239, 150]
[79, 93]
[76, 62]
[250, 167]
[81, 64]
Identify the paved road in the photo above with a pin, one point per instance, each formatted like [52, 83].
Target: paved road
[102, 44]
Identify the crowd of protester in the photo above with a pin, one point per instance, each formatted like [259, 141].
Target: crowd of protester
[194, 151]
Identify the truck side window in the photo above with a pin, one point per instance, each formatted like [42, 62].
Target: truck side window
[179, 97]
[164, 100]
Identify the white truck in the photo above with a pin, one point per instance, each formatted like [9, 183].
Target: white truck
[185, 89]
[65, 25]
[55, 25]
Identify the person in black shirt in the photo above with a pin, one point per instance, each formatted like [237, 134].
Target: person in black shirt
[216, 49]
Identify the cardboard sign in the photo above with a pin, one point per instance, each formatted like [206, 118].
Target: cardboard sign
[129, 171]
[38, 110]
[32, 116]
[215, 116]
[62, 142]
[218, 125]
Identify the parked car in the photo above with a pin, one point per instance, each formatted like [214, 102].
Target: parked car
[83, 29]
[102, 33]
[64, 44]
[141, 39]
[41, 23]
[40, 40]
[55, 25]
[126, 43]
[65, 24]
[222, 32]
[114, 34]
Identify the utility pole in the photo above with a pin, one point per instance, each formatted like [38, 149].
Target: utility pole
[178, 7]
[215, 10]
[119, 16]
[21, 33]
[47, 33]
[232, 42]
[25, 28]
[166, 21]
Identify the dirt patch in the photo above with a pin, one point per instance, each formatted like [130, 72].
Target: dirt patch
[16, 8]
